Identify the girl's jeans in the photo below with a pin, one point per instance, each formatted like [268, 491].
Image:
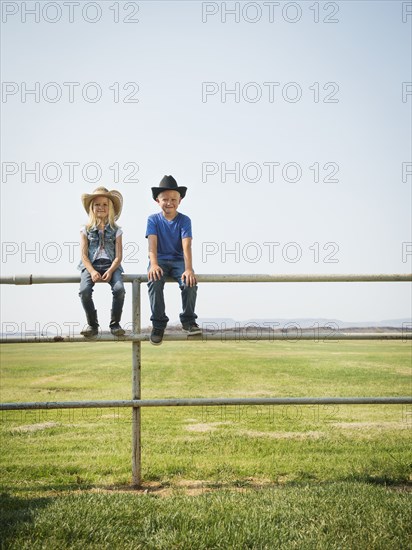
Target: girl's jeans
[116, 283]
[173, 269]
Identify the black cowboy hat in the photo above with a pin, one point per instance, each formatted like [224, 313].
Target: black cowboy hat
[168, 183]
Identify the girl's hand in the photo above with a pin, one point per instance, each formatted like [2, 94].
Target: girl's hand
[96, 277]
[189, 277]
[107, 275]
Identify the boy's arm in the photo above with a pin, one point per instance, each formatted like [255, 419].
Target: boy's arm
[84, 246]
[117, 259]
[189, 275]
[155, 271]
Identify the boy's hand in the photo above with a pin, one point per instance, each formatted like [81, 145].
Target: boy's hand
[96, 277]
[155, 273]
[189, 278]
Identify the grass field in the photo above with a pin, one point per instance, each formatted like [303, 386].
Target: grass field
[214, 477]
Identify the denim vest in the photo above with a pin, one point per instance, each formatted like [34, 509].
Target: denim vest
[106, 239]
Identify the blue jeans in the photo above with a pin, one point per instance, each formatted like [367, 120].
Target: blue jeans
[86, 290]
[173, 269]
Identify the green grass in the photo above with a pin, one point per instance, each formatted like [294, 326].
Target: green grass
[234, 477]
[326, 516]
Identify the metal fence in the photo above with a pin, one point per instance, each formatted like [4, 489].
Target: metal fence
[136, 337]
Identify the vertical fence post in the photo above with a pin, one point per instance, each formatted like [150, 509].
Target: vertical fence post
[136, 393]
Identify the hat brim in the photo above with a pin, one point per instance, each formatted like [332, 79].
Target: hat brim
[157, 190]
[113, 195]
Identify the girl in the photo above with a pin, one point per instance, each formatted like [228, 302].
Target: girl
[101, 256]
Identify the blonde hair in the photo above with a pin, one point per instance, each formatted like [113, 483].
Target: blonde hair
[94, 220]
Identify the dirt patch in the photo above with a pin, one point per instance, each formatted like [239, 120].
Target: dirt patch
[372, 425]
[204, 426]
[284, 435]
[190, 487]
[47, 380]
[29, 428]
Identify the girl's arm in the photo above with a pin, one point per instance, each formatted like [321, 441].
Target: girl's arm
[84, 246]
[189, 275]
[117, 259]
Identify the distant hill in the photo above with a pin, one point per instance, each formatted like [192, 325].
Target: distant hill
[228, 323]
[214, 324]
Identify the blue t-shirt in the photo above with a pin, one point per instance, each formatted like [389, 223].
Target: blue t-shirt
[169, 234]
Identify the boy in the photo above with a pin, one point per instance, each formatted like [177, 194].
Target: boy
[169, 234]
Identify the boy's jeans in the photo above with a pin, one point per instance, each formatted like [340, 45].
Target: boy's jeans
[116, 283]
[174, 269]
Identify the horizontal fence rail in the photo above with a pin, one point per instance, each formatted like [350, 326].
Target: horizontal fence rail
[135, 337]
[249, 334]
[206, 402]
[249, 278]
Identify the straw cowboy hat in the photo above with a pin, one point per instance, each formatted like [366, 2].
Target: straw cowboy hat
[113, 195]
[168, 183]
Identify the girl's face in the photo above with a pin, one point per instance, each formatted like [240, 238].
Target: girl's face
[101, 207]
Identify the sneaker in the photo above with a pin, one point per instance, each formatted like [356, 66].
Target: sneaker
[90, 331]
[156, 336]
[116, 330]
[192, 329]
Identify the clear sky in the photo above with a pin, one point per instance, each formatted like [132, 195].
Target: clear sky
[289, 122]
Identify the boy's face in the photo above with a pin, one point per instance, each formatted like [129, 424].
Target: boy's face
[169, 202]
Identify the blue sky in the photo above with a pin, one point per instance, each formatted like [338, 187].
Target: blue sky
[298, 162]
